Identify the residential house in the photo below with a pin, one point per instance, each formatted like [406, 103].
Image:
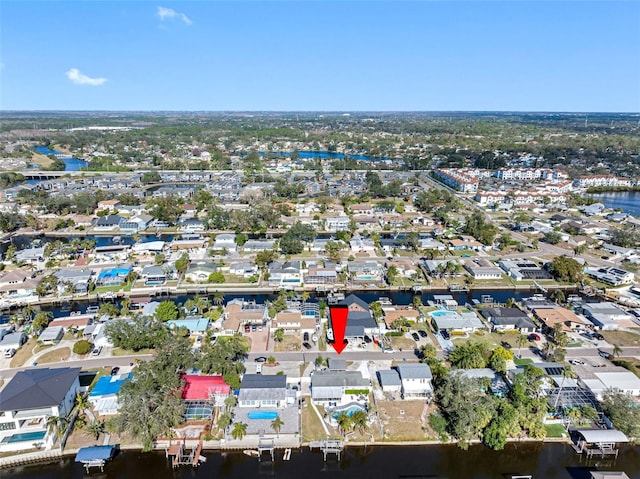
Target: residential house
[51, 335]
[154, 275]
[191, 225]
[558, 315]
[293, 322]
[238, 313]
[522, 269]
[30, 255]
[200, 272]
[393, 314]
[13, 341]
[195, 325]
[416, 380]
[27, 402]
[263, 390]
[104, 395]
[225, 241]
[111, 205]
[76, 280]
[258, 245]
[454, 322]
[605, 316]
[389, 380]
[613, 276]
[285, 275]
[335, 388]
[360, 322]
[503, 319]
[201, 393]
[246, 270]
[369, 271]
[480, 268]
[136, 223]
[317, 275]
[108, 223]
[113, 276]
[337, 223]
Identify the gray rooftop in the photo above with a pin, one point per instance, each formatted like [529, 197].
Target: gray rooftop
[388, 377]
[37, 388]
[263, 381]
[414, 371]
[352, 379]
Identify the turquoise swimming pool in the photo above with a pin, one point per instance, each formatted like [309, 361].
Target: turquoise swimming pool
[25, 437]
[350, 411]
[262, 415]
[437, 314]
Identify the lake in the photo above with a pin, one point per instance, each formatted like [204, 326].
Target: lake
[627, 201]
[542, 461]
[72, 164]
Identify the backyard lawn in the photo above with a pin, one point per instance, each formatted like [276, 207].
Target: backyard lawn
[623, 338]
[23, 354]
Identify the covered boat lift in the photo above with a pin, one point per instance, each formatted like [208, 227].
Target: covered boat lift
[599, 442]
[95, 456]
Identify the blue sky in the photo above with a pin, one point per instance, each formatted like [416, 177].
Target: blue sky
[317, 55]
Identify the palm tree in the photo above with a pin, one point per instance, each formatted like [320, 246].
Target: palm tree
[344, 422]
[224, 421]
[239, 430]
[305, 296]
[28, 312]
[521, 340]
[567, 372]
[276, 425]
[56, 425]
[218, 298]
[617, 350]
[511, 302]
[230, 401]
[360, 420]
[95, 428]
[82, 402]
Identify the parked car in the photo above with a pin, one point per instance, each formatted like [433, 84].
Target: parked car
[598, 336]
[8, 353]
[445, 334]
[96, 351]
[422, 333]
[305, 337]
[260, 359]
[415, 336]
[576, 362]
[534, 337]
[306, 345]
[115, 370]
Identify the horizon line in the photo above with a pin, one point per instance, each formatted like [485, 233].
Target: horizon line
[342, 112]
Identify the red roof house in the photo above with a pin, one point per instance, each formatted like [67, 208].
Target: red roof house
[198, 387]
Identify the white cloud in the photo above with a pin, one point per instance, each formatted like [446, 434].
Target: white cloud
[170, 14]
[79, 78]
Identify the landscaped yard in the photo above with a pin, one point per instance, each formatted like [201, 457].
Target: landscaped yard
[55, 356]
[128, 352]
[555, 430]
[403, 343]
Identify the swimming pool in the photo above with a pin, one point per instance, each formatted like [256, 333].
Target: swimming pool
[25, 436]
[197, 412]
[351, 410]
[262, 415]
[437, 314]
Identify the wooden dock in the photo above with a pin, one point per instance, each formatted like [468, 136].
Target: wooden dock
[178, 455]
[328, 446]
[266, 445]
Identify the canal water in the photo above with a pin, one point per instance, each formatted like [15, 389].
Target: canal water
[541, 461]
[398, 298]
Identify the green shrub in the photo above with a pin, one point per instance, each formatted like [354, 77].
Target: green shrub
[82, 347]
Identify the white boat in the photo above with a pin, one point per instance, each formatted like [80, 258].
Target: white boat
[251, 452]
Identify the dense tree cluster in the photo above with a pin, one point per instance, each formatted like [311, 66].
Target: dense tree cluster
[563, 268]
[292, 242]
[478, 227]
[136, 333]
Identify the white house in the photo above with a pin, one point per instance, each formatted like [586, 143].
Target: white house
[416, 380]
[334, 388]
[225, 241]
[27, 402]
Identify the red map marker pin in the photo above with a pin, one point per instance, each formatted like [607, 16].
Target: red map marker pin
[339, 316]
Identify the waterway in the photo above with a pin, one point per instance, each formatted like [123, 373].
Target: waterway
[72, 164]
[627, 201]
[323, 155]
[542, 461]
